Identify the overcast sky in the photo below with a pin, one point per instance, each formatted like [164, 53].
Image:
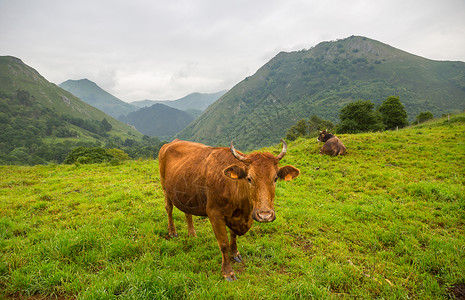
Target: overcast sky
[164, 50]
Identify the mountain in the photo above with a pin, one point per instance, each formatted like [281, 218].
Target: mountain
[92, 94]
[40, 122]
[194, 101]
[320, 81]
[158, 120]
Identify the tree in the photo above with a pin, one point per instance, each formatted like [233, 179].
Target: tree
[423, 116]
[105, 125]
[393, 113]
[308, 128]
[24, 97]
[315, 124]
[359, 116]
[298, 130]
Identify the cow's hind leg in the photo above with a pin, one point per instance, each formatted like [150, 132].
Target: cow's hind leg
[233, 247]
[169, 211]
[190, 225]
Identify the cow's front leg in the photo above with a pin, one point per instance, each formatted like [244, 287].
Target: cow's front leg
[233, 247]
[219, 228]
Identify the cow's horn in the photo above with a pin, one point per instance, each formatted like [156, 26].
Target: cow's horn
[283, 152]
[234, 152]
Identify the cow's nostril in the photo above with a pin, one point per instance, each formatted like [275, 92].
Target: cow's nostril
[266, 216]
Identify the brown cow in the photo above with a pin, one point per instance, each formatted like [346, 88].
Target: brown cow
[229, 187]
[333, 146]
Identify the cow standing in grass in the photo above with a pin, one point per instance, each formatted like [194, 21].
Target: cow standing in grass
[229, 187]
[333, 146]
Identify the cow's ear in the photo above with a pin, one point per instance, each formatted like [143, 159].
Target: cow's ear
[235, 172]
[288, 173]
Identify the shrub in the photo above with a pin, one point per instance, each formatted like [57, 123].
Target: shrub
[423, 116]
[92, 155]
[118, 154]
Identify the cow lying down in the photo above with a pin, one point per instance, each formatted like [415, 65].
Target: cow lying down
[229, 187]
[333, 146]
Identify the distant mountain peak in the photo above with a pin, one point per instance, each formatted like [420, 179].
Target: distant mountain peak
[320, 81]
[94, 95]
[158, 120]
[13, 59]
[193, 101]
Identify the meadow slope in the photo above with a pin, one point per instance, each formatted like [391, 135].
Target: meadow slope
[384, 221]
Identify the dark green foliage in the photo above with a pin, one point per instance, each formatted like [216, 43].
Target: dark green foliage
[99, 128]
[422, 117]
[298, 130]
[359, 116]
[309, 128]
[88, 156]
[24, 98]
[316, 124]
[393, 113]
[105, 125]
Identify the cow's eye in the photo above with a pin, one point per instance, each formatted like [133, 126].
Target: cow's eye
[276, 179]
[249, 179]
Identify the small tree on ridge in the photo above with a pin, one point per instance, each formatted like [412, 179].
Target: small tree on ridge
[393, 113]
[359, 116]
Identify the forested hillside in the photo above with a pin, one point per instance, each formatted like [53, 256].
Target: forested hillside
[320, 81]
[42, 123]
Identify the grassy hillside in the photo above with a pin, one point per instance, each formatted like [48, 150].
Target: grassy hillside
[92, 94]
[40, 122]
[14, 75]
[384, 221]
[322, 80]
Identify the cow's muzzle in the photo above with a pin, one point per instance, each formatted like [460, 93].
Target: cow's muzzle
[264, 215]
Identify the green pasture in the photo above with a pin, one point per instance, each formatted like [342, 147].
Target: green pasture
[385, 221]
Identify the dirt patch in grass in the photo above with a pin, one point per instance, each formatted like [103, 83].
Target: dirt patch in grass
[457, 291]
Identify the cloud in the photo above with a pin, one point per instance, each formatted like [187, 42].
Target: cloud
[167, 49]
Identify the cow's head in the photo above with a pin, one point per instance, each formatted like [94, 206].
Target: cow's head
[261, 172]
[324, 136]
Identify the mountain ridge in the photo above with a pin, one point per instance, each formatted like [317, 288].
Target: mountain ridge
[42, 122]
[195, 101]
[158, 120]
[15, 74]
[293, 85]
[91, 93]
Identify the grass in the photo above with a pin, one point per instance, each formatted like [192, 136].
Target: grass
[384, 221]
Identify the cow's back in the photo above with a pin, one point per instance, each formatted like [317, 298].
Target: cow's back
[189, 171]
[179, 155]
[333, 147]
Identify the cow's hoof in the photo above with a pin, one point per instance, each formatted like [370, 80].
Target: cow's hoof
[173, 235]
[237, 258]
[231, 277]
